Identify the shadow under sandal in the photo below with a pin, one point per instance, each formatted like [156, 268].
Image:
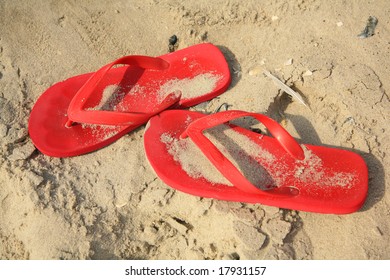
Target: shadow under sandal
[205, 155]
[87, 112]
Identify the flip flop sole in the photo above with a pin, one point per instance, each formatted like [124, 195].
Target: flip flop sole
[200, 71]
[328, 180]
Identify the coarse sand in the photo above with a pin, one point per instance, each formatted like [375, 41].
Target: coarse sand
[109, 204]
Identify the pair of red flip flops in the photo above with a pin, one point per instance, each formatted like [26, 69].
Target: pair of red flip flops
[203, 155]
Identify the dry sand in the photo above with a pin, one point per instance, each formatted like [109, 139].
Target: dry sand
[110, 205]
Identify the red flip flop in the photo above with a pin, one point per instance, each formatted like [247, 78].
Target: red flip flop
[87, 112]
[204, 155]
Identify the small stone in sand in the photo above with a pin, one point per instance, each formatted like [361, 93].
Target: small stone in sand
[288, 62]
[369, 30]
[339, 24]
[307, 73]
[172, 43]
[273, 18]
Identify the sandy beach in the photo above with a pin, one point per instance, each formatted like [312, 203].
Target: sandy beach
[110, 204]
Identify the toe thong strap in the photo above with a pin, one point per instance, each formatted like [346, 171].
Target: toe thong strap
[77, 113]
[224, 165]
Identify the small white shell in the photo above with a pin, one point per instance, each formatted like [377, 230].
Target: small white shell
[307, 73]
[288, 62]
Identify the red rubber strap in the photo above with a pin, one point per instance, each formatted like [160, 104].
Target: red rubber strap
[224, 165]
[76, 113]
